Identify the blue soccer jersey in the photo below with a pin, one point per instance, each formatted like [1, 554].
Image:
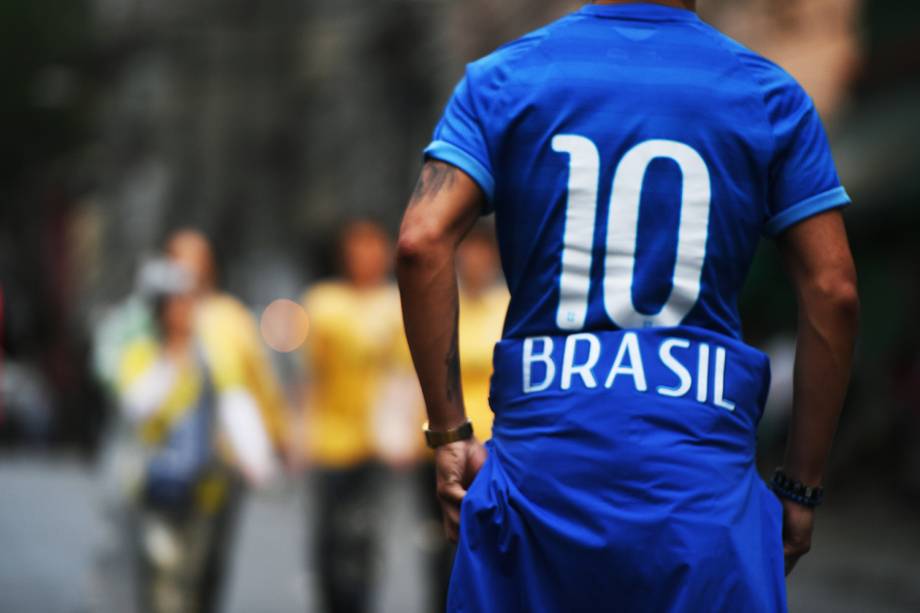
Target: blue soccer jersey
[633, 157]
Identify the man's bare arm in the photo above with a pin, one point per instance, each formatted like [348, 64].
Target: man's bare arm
[820, 266]
[443, 208]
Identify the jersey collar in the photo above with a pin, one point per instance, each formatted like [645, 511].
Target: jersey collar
[639, 11]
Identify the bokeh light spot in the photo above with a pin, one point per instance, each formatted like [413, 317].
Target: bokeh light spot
[284, 325]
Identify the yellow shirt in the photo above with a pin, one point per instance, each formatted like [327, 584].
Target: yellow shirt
[235, 354]
[355, 340]
[183, 395]
[137, 359]
[481, 321]
[232, 347]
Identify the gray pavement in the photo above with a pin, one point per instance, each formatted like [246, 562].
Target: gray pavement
[866, 555]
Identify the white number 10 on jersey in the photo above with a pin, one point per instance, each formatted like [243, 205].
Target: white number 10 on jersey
[622, 232]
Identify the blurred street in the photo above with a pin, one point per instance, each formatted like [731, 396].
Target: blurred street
[49, 529]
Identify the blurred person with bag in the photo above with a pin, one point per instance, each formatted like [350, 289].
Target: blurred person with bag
[230, 339]
[198, 393]
[353, 389]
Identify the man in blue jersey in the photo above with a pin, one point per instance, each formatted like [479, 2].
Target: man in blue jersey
[633, 157]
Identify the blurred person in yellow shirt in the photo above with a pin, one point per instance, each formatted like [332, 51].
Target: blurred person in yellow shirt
[354, 353]
[230, 336]
[483, 303]
[193, 429]
[203, 377]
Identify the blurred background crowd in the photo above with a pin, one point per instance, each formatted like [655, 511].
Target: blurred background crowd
[197, 206]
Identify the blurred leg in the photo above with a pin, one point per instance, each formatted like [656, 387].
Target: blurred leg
[439, 552]
[165, 550]
[346, 536]
[223, 529]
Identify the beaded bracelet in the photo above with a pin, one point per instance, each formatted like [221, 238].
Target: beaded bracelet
[796, 491]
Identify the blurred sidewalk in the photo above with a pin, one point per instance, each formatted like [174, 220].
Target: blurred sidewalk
[866, 555]
[51, 530]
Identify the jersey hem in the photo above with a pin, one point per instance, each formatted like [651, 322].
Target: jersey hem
[447, 152]
[831, 199]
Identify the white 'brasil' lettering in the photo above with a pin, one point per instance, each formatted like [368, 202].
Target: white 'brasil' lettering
[582, 353]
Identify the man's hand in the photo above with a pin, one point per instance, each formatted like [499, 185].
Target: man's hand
[457, 464]
[798, 523]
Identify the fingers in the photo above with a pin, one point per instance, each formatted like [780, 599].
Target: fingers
[451, 526]
[477, 457]
[450, 495]
[793, 550]
[798, 524]
[790, 561]
[457, 466]
[791, 557]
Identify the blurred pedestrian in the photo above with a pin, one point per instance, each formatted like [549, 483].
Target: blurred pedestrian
[231, 339]
[352, 351]
[483, 304]
[209, 416]
[167, 393]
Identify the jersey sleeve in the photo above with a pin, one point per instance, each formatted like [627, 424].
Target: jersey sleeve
[460, 138]
[803, 179]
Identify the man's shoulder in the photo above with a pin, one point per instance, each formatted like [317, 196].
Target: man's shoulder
[501, 63]
[765, 75]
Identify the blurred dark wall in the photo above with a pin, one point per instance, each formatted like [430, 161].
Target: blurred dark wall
[46, 122]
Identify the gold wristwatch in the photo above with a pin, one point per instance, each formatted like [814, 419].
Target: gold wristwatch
[436, 438]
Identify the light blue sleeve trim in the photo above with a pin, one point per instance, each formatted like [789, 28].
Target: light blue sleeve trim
[809, 207]
[446, 152]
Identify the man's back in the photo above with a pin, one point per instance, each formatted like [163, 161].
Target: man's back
[634, 157]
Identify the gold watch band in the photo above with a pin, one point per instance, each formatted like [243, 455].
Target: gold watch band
[437, 438]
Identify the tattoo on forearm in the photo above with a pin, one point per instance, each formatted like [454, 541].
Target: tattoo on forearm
[435, 176]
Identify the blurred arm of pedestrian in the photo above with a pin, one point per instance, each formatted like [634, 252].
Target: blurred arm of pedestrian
[144, 380]
[399, 409]
[820, 265]
[315, 345]
[272, 403]
[251, 404]
[298, 451]
[240, 421]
